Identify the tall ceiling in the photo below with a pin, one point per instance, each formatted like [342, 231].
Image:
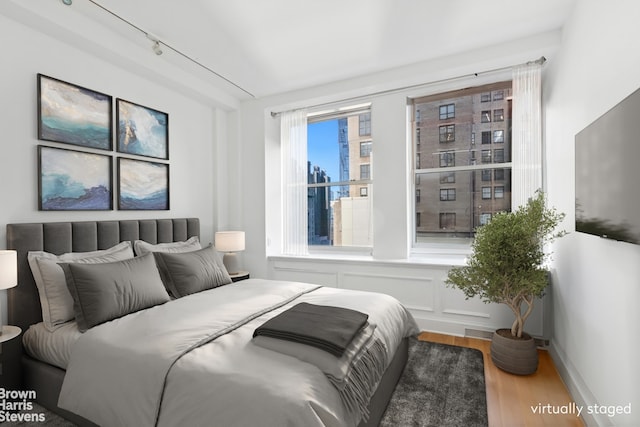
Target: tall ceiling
[264, 47]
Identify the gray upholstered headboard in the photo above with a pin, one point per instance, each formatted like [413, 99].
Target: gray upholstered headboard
[62, 237]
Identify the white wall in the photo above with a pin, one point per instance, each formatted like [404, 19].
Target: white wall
[596, 292]
[417, 283]
[193, 132]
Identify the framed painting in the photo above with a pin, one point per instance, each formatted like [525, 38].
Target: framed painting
[141, 130]
[74, 115]
[74, 180]
[142, 185]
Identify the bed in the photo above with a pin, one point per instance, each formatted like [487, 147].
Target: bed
[219, 399]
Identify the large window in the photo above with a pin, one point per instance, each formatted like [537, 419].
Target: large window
[461, 185]
[340, 155]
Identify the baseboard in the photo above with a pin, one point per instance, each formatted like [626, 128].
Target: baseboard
[576, 386]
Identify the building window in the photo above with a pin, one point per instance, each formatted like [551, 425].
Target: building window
[486, 193]
[448, 133]
[418, 136]
[498, 192]
[338, 180]
[418, 219]
[417, 160]
[484, 218]
[498, 174]
[447, 111]
[498, 155]
[447, 194]
[498, 95]
[365, 171]
[498, 136]
[365, 149]
[417, 195]
[365, 124]
[486, 156]
[447, 178]
[447, 221]
[461, 168]
[447, 159]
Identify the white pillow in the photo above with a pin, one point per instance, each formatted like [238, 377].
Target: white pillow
[193, 244]
[55, 298]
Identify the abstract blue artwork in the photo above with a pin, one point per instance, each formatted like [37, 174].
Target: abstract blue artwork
[73, 180]
[73, 114]
[141, 130]
[142, 185]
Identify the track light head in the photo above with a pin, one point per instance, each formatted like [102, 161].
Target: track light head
[67, 2]
[156, 48]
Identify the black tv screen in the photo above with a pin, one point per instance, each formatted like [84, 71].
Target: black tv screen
[608, 173]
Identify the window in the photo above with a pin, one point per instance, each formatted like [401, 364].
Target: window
[445, 178]
[447, 133]
[365, 171]
[498, 95]
[486, 193]
[418, 136]
[338, 206]
[470, 198]
[365, 149]
[447, 111]
[447, 194]
[365, 124]
[447, 221]
[418, 195]
[447, 159]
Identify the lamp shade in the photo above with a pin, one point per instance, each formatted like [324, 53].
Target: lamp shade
[8, 269]
[229, 241]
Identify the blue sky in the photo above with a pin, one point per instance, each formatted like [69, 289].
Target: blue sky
[322, 147]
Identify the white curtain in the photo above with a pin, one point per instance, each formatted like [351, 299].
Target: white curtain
[293, 139]
[526, 132]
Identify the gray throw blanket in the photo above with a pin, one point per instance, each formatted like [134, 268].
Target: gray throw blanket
[329, 328]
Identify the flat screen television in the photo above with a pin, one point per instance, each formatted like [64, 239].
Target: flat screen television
[608, 173]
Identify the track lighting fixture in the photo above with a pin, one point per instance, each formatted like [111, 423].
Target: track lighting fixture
[156, 48]
[156, 44]
[67, 2]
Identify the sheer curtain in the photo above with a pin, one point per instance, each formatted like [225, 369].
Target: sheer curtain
[527, 132]
[293, 140]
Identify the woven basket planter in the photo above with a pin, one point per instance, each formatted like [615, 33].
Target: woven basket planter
[516, 356]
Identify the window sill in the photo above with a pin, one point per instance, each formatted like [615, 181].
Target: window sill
[421, 260]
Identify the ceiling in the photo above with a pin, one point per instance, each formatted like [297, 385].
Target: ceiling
[264, 47]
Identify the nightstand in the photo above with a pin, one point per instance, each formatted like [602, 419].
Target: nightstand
[240, 275]
[10, 353]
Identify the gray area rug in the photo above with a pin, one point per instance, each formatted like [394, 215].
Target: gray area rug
[442, 385]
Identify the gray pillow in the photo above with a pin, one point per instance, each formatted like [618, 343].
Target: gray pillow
[55, 299]
[141, 247]
[103, 292]
[190, 272]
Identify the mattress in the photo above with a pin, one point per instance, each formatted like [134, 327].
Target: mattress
[54, 347]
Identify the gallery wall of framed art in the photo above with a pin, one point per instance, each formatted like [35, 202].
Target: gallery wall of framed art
[82, 178]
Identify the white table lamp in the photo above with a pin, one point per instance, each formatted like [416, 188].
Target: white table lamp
[230, 242]
[8, 272]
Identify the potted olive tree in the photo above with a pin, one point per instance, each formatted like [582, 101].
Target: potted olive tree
[507, 265]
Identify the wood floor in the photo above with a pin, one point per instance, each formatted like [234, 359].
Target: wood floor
[510, 398]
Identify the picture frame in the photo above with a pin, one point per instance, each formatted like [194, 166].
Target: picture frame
[74, 180]
[141, 130]
[73, 114]
[142, 185]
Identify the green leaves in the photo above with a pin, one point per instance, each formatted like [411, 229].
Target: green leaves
[508, 260]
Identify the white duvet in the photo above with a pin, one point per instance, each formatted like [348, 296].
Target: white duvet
[191, 362]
